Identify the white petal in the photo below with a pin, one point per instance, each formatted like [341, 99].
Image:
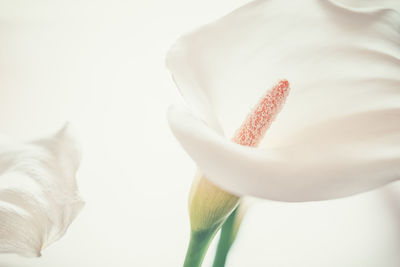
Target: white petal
[336, 60]
[38, 193]
[339, 126]
[305, 170]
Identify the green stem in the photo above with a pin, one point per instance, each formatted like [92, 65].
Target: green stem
[225, 240]
[198, 245]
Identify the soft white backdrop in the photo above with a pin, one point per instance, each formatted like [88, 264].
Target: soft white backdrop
[100, 64]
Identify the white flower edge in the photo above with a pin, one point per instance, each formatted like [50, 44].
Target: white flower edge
[39, 197]
[287, 174]
[339, 133]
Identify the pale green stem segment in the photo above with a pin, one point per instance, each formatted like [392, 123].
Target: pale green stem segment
[209, 207]
[228, 235]
[198, 246]
[200, 241]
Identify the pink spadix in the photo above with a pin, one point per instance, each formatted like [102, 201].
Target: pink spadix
[261, 117]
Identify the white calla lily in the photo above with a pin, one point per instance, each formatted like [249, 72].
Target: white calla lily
[38, 193]
[339, 132]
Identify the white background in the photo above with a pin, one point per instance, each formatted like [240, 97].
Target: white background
[100, 64]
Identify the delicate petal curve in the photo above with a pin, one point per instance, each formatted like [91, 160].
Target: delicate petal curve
[338, 133]
[38, 193]
[305, 170]
[336, 59]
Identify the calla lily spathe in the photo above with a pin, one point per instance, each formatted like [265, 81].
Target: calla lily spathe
[339, 132]
[38, 193]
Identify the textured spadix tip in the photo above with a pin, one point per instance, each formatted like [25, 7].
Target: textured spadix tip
[261, 117]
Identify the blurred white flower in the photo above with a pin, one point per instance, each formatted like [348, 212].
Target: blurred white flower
[339, 133]
[38, 193]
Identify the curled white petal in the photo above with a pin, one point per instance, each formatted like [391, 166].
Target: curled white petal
[338, 133]
[306, 170]
[38, 192]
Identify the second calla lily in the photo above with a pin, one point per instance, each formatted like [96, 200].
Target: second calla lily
[39, 196]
